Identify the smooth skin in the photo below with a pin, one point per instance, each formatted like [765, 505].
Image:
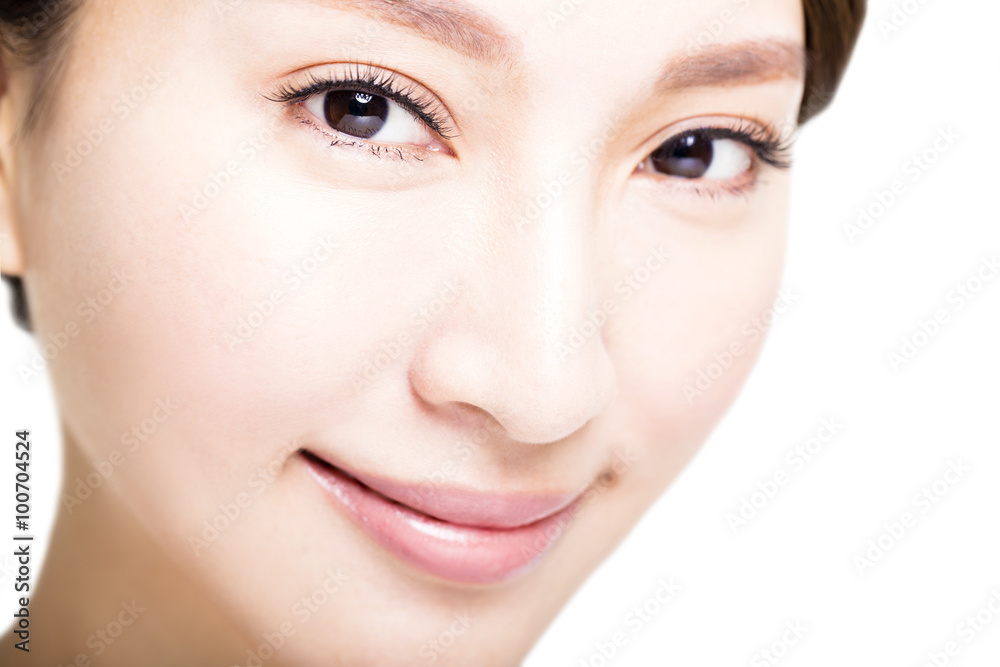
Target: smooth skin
[482, 393]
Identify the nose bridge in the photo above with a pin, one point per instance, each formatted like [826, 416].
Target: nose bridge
[505, 350]
[550, 280]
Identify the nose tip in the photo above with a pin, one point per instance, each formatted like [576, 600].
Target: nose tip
[535, 395]
[561, 403]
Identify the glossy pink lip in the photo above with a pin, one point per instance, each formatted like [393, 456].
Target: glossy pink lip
[458, 535]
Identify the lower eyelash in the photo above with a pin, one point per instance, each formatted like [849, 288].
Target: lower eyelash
[378, 150]
[720, 191]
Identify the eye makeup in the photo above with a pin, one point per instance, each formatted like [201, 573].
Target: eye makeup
[360, 106]
[371, 80]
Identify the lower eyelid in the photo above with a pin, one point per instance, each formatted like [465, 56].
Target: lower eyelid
[701, 190]
[346, 141]
[742, 186]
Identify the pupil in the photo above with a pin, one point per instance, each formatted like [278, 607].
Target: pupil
[690, 156]
[354, 113]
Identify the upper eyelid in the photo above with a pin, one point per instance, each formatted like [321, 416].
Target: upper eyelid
[756, 135]
[711, 122]
[412, 96]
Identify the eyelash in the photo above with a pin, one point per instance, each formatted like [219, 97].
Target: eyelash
[767, 146]
[764, 141]
[383, 83]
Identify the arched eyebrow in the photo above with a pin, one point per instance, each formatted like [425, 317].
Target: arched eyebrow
[736, 63]
[455, 25]
[466, 30]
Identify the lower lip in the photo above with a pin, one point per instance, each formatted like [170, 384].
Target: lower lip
[466, 554]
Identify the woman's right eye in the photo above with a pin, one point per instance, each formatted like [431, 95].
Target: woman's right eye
[370, 117]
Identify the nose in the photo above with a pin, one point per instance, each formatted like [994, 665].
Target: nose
[524, 343]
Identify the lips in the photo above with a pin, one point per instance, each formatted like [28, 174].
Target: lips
[459, 535]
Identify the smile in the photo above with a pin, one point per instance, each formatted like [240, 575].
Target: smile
[459, 535]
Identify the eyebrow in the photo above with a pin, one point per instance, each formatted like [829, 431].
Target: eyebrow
[465, 30]
[457, 26]
[739, 63]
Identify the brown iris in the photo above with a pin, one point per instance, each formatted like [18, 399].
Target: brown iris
[355, 113]
[687, 156]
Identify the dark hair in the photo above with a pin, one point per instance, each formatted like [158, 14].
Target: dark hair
[33, 35]
[832, 28]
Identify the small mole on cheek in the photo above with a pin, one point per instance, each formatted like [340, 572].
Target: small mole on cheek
[609, 478]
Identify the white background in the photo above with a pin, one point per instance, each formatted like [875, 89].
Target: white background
[826, 358]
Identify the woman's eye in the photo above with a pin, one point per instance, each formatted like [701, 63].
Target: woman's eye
[370, 117]
[698, 155]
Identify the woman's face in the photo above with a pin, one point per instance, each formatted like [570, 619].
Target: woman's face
[512, 271]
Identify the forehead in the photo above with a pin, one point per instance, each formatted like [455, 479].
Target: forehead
[606, 37]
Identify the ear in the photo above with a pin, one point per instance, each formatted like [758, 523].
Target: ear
[11, 250]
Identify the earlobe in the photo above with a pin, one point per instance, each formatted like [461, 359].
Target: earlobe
[11, 254]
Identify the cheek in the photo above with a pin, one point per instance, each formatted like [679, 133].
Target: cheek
[685, 342]
[155, 282]
[200, 275]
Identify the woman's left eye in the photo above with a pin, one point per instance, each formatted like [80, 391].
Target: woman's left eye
[369, 117]
[699, 155]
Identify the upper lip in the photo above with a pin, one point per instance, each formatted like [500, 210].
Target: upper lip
[462, 506]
